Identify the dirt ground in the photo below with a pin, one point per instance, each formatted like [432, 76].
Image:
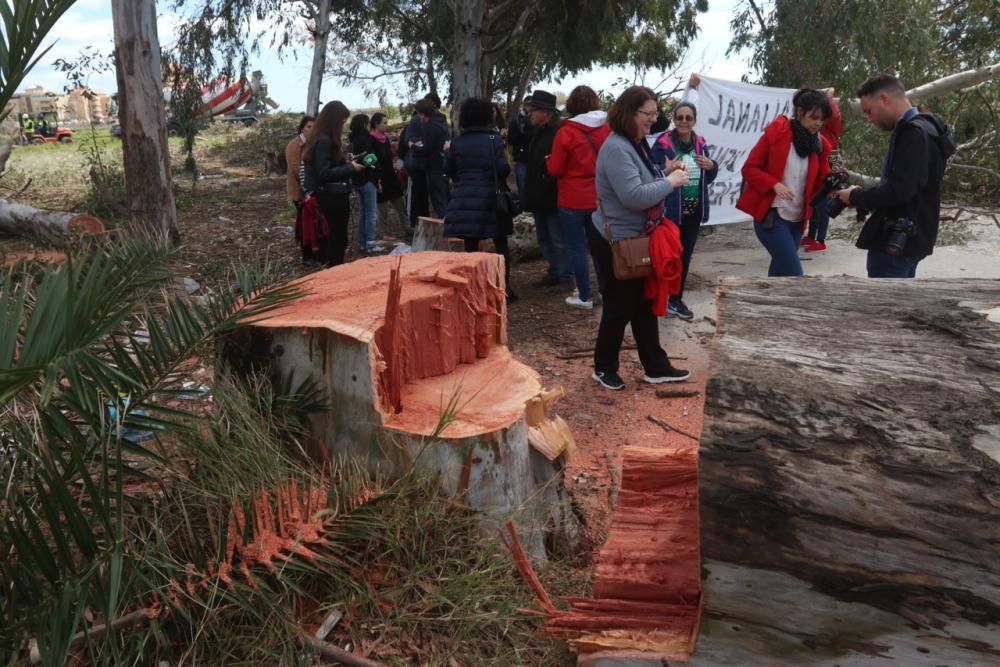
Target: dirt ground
[237, 214]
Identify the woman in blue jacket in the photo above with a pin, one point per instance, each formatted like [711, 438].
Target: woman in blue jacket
[478, 167]
[687, 206]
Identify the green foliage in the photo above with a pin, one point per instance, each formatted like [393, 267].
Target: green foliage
[23, 26]
[840, 44]
[246, 146]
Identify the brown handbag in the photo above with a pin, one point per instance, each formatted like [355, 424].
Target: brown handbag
[630, 258]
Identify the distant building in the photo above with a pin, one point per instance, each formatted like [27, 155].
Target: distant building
[81, 105]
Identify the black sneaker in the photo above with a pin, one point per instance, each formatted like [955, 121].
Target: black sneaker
[608, 380]
[677, 308]
[671, 374]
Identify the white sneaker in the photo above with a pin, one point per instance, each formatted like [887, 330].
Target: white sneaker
[577, 302]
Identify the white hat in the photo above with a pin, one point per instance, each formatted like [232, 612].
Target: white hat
[24, 115]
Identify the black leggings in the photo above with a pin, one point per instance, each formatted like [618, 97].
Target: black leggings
[337, 210]
[503, 248]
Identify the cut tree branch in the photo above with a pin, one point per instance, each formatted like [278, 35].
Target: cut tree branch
[947, 84]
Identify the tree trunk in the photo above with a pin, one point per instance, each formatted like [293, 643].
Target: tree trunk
[6, 145]
[947, 84]
[432, 84]
[152, 211]
[321, 37]
[467, 63]
[25, 221]
[852, 443]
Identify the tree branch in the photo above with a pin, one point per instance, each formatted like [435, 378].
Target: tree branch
[759, 14]
[947, 84]
[498, 51]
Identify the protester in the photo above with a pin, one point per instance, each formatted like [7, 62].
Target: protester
[630, 194]
[819, 223]
[327, 176]
[390, 191]
[539, 197]
[687, 206]
[478, 166]
[519, 138]
[906, 204]
[422, 148]
[293, 158]
[365, 184]
[437, 182]
[783, 172]
[572, 163]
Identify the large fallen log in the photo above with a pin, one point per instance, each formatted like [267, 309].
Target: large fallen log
[852, 444]
[29, 222]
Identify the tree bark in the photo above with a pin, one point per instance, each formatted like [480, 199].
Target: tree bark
[467, 62]
[321, 37]
[6, 145]
[25, 221]
[152, 211]
[853, 443]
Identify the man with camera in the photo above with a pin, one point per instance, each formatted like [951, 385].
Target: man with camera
[906, 204]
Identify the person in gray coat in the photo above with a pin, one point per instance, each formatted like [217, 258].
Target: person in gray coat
[630, 194]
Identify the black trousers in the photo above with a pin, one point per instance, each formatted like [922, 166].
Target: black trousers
[437, 192]
[690, 224]
[503, 249]
[337, 210]
[418, 203]
[624, 304]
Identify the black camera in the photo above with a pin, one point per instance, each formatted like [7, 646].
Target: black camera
[900, 230]
[836, 180]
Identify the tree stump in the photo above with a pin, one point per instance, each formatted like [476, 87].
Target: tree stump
[429, 235]
[851, 444]
[412, 353]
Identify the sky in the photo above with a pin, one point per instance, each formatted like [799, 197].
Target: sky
[88, 24]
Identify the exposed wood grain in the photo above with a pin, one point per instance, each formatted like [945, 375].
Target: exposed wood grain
[848, 425]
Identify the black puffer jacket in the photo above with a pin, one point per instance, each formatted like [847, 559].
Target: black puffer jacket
[471, 162]
[391, 187]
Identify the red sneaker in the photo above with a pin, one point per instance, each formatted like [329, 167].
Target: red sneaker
[807, 241]
[816, 246]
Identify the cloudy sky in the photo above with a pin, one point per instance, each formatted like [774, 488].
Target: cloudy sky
[88, 24]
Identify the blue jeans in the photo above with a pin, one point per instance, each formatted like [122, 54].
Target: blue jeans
[574, 223]
[549, 231]
[367, 195]
[782, 242]
[819, 223]
[521, 175]
[882, 265]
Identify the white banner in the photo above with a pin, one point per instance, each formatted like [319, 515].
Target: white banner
[731, 118]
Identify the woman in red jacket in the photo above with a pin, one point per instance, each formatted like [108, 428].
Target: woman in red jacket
[573, 163]
[782, 174]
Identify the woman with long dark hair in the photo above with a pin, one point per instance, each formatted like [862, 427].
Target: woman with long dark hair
[630, 194]
[783, 173]
[327, 176]
[365, 183]
[477, 165]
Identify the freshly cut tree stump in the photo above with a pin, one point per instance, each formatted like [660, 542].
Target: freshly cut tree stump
[411, 351]
[851, 444]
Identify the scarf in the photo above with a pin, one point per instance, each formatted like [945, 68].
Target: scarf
[805, 142]
[379, 137]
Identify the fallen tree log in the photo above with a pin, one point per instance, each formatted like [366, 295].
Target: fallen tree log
[33, 223]
[854, 446]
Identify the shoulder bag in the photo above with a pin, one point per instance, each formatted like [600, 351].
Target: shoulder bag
[507, 203]
[630, 258]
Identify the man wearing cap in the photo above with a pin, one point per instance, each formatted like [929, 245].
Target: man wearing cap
[539, 195]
